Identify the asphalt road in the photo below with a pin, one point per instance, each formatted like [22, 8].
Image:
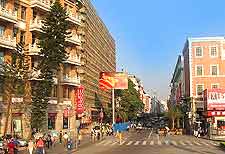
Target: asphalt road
[148, 142]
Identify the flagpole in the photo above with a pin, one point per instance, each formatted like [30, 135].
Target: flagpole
[113, 106]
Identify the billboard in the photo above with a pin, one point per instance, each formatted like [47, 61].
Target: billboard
[80, 100]
[214, 99]
[113, 80]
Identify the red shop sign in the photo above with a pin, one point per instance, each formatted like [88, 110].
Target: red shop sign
[216, 113]
[80, 100]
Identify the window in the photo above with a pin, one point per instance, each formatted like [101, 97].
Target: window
[16, 8]
[2, 30]
[3, 3]
[199, 89]
[22, 36]
[23, 13]
[1, 57]
[214, 86]
[213, 52]
[65, 122]
[198, 52]
[67, 92]
[51, 121]
[54, 91]
[214, 70]
[199, 70]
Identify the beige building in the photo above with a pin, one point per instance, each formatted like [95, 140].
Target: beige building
[20, 20]
[100, 56]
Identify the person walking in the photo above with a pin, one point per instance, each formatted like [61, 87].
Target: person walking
[30, 146]
[49, 141]
[11, 147]
[40, 146]
[79, 138]
[65, 137]
[60, 137]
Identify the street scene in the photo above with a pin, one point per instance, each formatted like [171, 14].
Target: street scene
[112, 77]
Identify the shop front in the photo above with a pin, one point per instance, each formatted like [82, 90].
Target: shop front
[214, 100]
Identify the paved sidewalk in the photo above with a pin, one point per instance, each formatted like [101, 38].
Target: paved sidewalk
[60, 149]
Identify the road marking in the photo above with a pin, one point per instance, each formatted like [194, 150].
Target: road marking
[205, 143]
[159, 143]
[182, 143]
[152, 143]
[150, 134]
[214, 143]
[108, 142]
[189, 142]
[114, 143]
[129, 143]
[137, 142]
[174, 143]
[166, 142]
[102, 142]
[122, 142]
[197, 143]
[144, 143]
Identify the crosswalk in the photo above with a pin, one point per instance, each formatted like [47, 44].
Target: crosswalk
[158, 143]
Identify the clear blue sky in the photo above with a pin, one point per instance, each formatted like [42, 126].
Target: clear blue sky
[150, 34]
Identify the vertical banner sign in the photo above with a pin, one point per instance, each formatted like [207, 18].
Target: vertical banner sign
[80, 100]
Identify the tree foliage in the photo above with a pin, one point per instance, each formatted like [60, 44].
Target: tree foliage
[129, 102]
[14, 74]
[53, 53]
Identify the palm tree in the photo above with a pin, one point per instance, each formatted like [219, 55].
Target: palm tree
[173, 114]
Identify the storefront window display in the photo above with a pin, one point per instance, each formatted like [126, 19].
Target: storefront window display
[51, 120]
[65, 122]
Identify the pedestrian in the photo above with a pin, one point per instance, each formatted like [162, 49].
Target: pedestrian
[79, 138]
[65, 137]
[40, 146]
[16, 145]
[30, 146]
[60, 137]
[5, 145]
[11, 147]
[49, 141]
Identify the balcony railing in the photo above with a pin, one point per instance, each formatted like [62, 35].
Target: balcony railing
[42, 4]
[36, 24]
[8, 42]
[74, 60]
[75, 81]
[74, 39]
[8, 15]
[75, 19]
[34, 49]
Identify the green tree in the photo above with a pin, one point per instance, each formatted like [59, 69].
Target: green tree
[173, 114]
[53, 53]
[14, 74]
[130, 103]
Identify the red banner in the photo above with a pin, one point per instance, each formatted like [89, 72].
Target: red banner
[214, 99]
[80, 100]
[215, 113]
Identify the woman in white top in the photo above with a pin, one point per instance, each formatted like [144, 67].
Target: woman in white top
[30, 146]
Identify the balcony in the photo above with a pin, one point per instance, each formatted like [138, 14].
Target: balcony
[74, 39]
[66, 101]
[34, 49]
[81, 32]
[73, 81]
[8, 42]
[35, 25]
[74, 19]
[8, 15]
[34, 74]
[41, 4]
[74, 60]
[52, 101]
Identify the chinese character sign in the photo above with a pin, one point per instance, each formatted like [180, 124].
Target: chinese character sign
[215, 99]
[80, 100]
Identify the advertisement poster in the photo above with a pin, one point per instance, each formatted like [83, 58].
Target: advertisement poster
[214, 99]
[80, 100]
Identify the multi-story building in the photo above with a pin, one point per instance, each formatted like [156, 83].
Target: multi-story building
[21, 20]
[177, 83]
[204, 68]
[147, 103]
[100, 56]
